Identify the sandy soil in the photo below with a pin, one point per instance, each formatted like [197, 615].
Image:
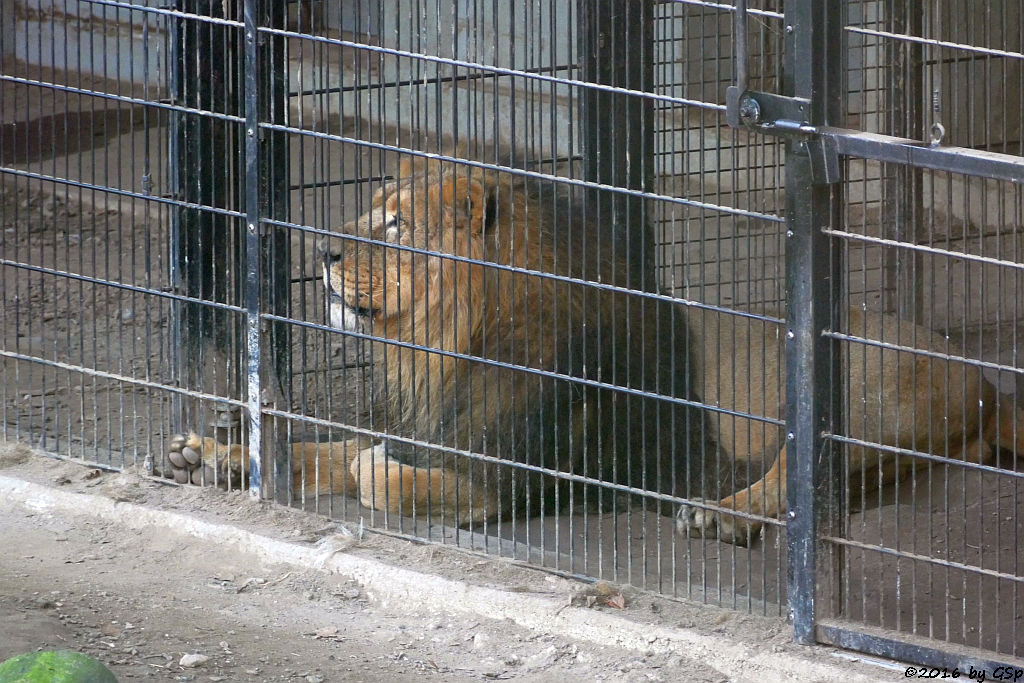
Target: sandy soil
[140, 601]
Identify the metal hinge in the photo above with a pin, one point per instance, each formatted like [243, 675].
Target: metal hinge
[772, 114]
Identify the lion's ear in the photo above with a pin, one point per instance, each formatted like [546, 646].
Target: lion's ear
[469, 199]
[383, 191]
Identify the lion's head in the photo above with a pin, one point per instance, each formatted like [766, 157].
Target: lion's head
[426, 216]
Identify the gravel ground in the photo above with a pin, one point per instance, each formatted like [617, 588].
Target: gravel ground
[156, 603]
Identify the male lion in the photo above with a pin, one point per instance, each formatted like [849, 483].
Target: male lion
[895, 398]
[511, 357]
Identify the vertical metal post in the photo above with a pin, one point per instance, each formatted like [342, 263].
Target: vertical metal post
[902, 188]
[267, 253]
[616, 48]
[8, 30]
[276, 252]
[252, 248]
[814, 272]
[208, 249]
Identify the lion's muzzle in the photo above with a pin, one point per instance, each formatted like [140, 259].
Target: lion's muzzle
[347, 317]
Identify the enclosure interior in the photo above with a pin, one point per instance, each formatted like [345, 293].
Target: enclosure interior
[126, 258]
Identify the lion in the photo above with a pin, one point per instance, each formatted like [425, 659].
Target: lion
[516, 360]
[896, 398]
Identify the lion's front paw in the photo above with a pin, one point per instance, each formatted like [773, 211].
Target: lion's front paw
[204, 462]
[698, 521]
[371, 468]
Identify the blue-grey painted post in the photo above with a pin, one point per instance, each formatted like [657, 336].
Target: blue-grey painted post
[814, 272]
[268, 257]
[252, 249]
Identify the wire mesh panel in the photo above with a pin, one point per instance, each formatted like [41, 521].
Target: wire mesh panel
[539, 374]
[85, 241]
[502, 275]
[934, 284]
[565, 183]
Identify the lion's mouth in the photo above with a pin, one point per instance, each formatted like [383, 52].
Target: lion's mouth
[362, 313]
[344, 316]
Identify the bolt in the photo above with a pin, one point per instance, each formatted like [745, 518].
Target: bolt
[250, 132]
[750, 110]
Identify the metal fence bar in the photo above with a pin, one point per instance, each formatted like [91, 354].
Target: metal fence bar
[931, 659]
[902, 195]
[896, 150]
[253, 287]
[267, 253]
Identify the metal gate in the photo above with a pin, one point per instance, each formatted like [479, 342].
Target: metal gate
[917, 156]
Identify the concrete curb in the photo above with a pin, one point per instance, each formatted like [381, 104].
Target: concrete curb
[398, 587]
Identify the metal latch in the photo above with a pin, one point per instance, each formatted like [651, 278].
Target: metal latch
[773, 114]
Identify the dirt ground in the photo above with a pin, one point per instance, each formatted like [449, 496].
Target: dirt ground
[140, 604]
[142, 599]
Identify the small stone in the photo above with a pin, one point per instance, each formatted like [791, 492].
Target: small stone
[193, 660]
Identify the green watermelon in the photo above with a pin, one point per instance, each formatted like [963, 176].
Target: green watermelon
[54, 666]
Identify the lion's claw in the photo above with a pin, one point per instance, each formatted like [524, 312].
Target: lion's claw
[699, 521]
[191, 456]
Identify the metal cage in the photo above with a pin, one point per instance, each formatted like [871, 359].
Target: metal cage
[790, 229]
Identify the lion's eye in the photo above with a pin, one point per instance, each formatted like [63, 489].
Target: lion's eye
[391, 229]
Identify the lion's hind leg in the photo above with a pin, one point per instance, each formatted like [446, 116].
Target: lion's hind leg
[1004, 429]
[444, 494]
[204, 462]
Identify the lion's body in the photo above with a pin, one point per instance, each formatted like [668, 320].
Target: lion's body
[917, 402]
[895, 398]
